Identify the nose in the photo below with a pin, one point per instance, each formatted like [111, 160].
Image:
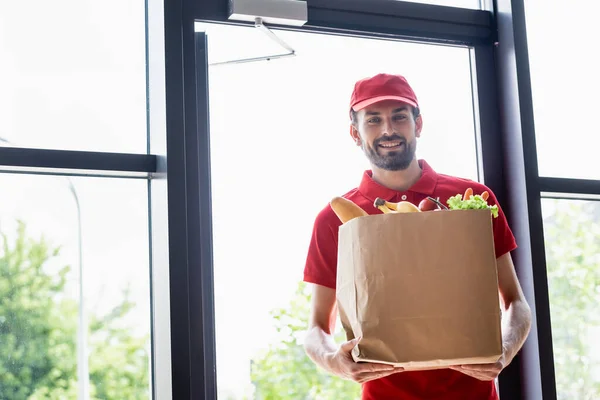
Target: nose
[388, 127]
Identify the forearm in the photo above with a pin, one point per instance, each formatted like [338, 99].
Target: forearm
[516, 325]
[319, 346]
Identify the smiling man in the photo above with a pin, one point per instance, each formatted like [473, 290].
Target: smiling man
[386, 123]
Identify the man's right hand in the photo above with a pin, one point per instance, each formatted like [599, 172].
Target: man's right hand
[343, 365]
[325, 352]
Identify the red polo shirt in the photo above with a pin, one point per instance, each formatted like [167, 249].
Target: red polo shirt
[321, 265]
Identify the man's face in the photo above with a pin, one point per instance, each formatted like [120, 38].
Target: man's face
[387, 133]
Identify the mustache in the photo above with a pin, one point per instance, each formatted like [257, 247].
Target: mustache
[387, 139]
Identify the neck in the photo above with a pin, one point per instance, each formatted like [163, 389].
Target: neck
[398, 180]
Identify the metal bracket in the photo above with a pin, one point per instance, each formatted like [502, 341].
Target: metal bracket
[258, 23]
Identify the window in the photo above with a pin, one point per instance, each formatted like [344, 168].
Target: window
[75, 312]
[572, 238]
[280, 150]
[565, 83]
[60, 234]
[73, 75]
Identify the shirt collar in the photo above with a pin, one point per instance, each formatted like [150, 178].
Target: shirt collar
[425, 185]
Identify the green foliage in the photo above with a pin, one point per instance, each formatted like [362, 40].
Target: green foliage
[572, 240]
[38, 327]
[119, 362]
[285, 372]
[30, 320]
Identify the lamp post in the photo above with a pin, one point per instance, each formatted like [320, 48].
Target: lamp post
[82, 359]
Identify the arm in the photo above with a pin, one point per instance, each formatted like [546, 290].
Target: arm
[516, 321]
[320, 345]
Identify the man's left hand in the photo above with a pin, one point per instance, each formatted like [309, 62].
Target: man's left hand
[483, 372]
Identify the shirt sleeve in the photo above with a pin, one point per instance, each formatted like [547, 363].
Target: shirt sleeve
[321, 260]
[504, 240]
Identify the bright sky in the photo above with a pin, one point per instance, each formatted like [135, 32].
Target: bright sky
[279, 134]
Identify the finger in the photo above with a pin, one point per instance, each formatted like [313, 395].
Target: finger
[362, 368]
[350, 344]
[372, 375]
[480, 375]
[471, 373]
[369, 376]
[479, 367]
[490, 371]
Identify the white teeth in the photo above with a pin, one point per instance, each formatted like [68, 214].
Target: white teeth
[390, 144]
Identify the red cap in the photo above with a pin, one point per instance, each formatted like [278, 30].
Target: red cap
[382, 87]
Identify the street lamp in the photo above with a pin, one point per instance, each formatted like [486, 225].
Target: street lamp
[83, 375]
[82, 359]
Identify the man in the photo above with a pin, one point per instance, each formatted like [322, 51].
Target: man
[386, 123]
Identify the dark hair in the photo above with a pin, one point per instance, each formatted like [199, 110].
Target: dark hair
[415, 112]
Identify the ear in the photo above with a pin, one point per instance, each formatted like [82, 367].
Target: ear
[354, 134]
[418, 126]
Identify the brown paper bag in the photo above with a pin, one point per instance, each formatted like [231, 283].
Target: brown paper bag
[420, 288]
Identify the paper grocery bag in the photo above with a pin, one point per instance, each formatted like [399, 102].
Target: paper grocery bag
[420, 288]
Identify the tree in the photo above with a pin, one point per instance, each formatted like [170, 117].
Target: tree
[285, 372]
[119, 362]
[38, 332]
[572, 237]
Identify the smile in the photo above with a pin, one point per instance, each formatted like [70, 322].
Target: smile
[391, 145]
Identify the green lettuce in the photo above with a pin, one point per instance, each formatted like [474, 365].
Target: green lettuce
[476, 202]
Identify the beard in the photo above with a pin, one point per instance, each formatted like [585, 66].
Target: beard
[390, 160]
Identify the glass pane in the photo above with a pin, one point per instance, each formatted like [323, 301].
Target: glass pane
[572, 236]
[564, 74]
[47, 325]
[281, 147]
[73, 74]
[473, 4]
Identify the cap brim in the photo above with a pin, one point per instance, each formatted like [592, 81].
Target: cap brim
[365, 103]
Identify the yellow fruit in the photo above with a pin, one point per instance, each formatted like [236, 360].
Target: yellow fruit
[383, 206]
[406, 206]
[385, 209]
[390, 205]
[346, 209]
[389, 208]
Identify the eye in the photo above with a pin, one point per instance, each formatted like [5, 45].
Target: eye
[374, 120]
[399, 117]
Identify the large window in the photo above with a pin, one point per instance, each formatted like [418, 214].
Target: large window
[59, 235]
[572, 233]
[280, 150]
[565, 83]
[73, 74]
[75, 293]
